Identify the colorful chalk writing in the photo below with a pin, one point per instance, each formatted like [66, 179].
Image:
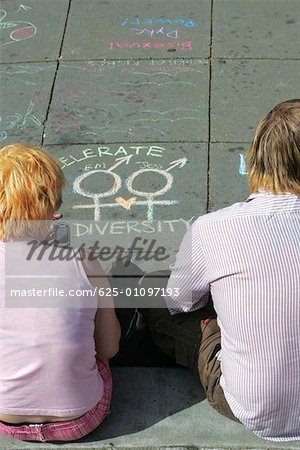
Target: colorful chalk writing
[31, 69]
[128, 102]
[158, 27]
[131, 226]
[94, 66]
[89, 167]
[148, 71]
[18, 120]
[152, 32]
[141, 164]
[161, 115]
[148, 165]
[184, 46]
[155, 151]
[19, 30]
[188, 23]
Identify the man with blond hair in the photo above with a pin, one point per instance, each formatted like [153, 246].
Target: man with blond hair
[246, 259]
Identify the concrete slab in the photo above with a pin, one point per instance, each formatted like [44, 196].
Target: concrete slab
[244, 91]
[156, 408]
[25, 93]
[141, 29]
[31, 32]
[125, 101]
[256, 29]
[228, 175]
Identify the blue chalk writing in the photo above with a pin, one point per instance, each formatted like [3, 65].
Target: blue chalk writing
[243, 167]
[188, 23]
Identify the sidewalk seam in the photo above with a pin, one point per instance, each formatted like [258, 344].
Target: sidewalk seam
[55, 75]
[209, 104]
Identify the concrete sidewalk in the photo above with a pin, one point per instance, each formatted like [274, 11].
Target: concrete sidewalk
[161, 408]
[176, 87]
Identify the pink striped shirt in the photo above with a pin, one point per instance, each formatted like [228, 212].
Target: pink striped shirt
[249, 256]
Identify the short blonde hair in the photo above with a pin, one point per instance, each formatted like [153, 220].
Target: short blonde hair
[274, 154]
[31, 183]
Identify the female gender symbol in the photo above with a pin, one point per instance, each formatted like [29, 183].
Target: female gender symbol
[96, 196]
[117, 182]
[151, 195]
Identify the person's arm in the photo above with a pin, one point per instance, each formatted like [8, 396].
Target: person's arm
[107, 327]
[188, 282]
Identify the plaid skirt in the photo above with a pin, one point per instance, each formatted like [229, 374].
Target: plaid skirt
[69, 430]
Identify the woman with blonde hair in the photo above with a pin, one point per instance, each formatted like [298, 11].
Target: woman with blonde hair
[55, 381]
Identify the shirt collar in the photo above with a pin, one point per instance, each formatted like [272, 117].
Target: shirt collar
[263, 192]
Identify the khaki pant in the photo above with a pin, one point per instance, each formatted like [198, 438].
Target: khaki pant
[192, 339]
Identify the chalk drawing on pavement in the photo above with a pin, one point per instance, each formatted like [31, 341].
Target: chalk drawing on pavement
[184, 46]
[149, 199]
[18, 120]
[243, 167]
[157, 21]
[21, 30]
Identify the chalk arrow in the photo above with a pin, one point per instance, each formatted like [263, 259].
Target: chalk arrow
[124, 159]
[127, 204]
[179, 162]
[25, 8]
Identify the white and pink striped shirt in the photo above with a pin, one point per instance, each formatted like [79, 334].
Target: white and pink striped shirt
[249, 256]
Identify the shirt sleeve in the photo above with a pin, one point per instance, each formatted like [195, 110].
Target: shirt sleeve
[188, 282]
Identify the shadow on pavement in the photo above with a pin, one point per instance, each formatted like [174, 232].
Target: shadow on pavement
[145, 396]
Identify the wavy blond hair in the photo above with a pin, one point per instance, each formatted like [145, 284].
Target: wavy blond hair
[31, 183]
[274, 154]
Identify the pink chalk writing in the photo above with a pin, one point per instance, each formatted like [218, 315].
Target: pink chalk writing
[185, 46]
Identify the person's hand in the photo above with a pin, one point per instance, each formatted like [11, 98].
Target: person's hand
[50, 237]
[57, 216]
